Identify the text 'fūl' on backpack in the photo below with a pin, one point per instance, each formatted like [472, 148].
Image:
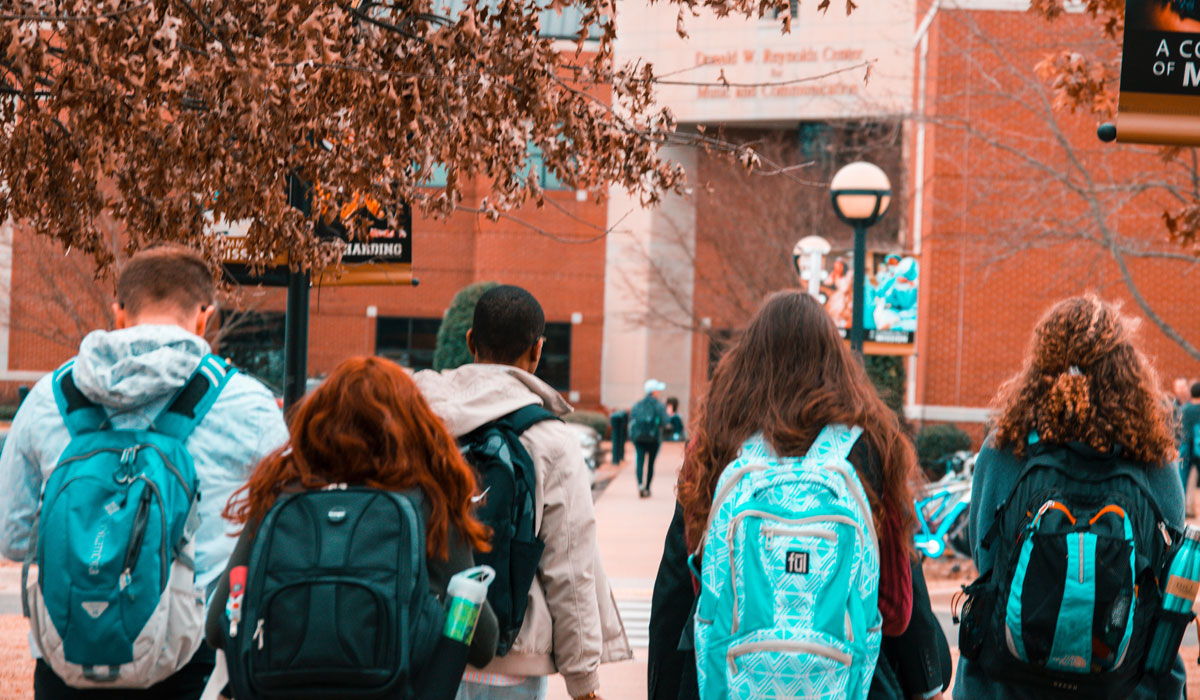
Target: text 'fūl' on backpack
[336, 601]
[1068, 606]
[789, 592]
[115, 603]
[505, 503]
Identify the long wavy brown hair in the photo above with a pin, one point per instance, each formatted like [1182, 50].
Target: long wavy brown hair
[788, 376]
[368, 424]
[1085, 380]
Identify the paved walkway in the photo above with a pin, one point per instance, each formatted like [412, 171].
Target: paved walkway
[630, 531]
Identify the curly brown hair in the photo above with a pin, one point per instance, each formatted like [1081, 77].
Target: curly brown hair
[788, 377]
[1085, 380]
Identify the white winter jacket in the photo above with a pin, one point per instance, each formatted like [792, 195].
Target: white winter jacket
[572, 624]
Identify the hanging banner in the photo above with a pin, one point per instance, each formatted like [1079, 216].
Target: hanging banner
[890, 311]
[1160, 73]
[384, 257]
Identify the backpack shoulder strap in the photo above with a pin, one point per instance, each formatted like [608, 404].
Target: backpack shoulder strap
[525, 418]
[834, 442]
[81, 414]
[191, 404]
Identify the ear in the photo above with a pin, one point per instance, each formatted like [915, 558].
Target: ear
[535, 355]
[205, 315]
[120, 318]
[471, 345]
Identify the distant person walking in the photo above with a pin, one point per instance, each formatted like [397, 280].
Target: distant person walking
[673, 431]
[158, 432]
[571, 624]
[1073, 508]
[646, 421]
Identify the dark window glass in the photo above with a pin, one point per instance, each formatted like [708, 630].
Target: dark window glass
[409, 342]
[254, 341]
[555, 367]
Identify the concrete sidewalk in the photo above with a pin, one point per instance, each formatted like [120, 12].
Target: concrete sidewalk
[631, 531]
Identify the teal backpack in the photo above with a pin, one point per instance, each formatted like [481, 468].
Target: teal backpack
[115, 603]
[789, 591]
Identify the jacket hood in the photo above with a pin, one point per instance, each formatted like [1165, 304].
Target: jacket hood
[133, 366]
[467, 397]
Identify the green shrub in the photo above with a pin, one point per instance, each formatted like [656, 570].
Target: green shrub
[888, 374]
[937, 441]
[593, 419]
[451, 350]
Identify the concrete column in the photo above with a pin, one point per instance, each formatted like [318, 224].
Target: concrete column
[648, 288]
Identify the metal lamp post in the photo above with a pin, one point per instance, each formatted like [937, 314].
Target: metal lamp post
[861, 193]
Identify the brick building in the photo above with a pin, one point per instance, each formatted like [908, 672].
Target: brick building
[1020, 205]
[1007, 204]
[558, 257]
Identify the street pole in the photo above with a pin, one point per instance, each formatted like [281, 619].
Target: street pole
[295, 339]
[860, 273]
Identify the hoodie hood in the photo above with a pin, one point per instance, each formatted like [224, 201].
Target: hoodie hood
[134, 366]
[467, 397]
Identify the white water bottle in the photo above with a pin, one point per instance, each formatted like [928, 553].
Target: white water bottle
[467, 591]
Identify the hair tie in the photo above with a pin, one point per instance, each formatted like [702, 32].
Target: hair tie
[1073, 370]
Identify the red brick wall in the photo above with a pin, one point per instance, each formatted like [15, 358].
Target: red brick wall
[55, 299]
[1006, 235]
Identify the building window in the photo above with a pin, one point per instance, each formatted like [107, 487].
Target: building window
[409, 342]
[793, 10]
[253, 340]
[536, 163]
[562, 23]
[565, 23]
[555, 367]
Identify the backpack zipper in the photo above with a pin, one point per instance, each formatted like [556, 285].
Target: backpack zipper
[794, 646]
[258, 633]
[770, 533]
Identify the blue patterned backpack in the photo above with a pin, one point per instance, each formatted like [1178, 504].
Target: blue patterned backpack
[789, 591]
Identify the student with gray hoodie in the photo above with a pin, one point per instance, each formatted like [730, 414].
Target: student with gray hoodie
[571, 625]
[165, 299]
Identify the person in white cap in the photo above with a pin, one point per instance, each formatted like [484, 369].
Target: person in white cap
[646, 420]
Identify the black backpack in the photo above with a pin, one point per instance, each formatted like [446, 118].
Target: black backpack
[507, 479]
[645, 420]
[337, 600]
[1070, 603]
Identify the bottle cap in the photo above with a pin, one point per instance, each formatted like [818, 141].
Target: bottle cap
[471, 584]
[1191, 533]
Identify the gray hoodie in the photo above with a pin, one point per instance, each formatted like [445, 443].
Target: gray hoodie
[132, 373]
[572, 624]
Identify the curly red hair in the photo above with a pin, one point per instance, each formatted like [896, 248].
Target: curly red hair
[1085, 380]
[369, 424]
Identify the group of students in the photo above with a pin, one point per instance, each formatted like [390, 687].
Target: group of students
[150, 484]
[797, 489]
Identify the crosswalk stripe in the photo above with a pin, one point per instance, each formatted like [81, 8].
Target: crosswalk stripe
[635, 613]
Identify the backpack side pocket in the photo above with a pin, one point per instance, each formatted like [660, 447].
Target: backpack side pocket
[977, 612]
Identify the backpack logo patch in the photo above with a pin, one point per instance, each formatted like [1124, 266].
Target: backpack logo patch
[797, 562]
[95, 609]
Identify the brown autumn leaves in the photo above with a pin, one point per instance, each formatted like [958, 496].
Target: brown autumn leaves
[1090, 81]
[164, 115]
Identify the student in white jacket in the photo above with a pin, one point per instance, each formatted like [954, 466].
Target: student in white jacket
[571, 625]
